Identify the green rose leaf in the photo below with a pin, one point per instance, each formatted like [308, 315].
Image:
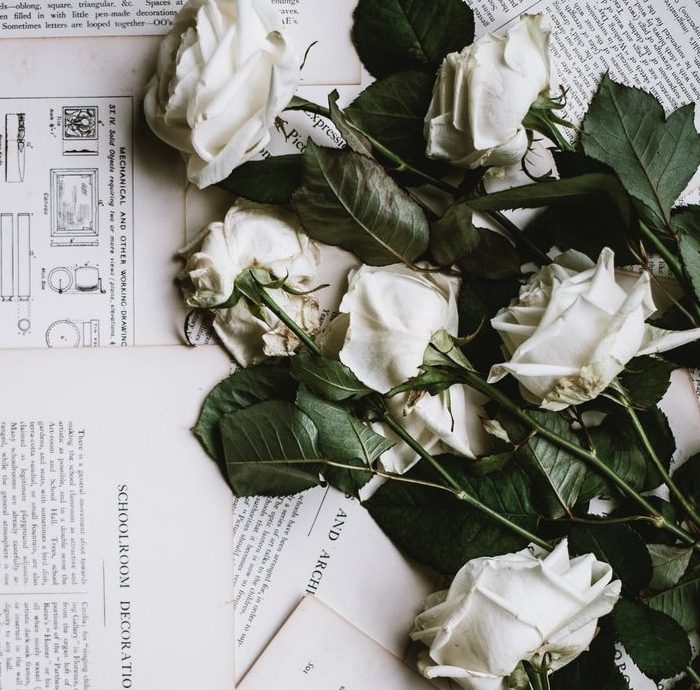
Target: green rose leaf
[654, 157]
[656, 643]
[669, 565]
[646, 380]
[392, 110]
[616, 442]
[271, 449]
[437, 529]
[593, 670]
[454, 235]
[494, 258]
[269, 181]
[433, 379]
[686, 223]
[687, 477]
[618, 545]
[564, 191]
[347, 199]
[328, 378]
[681, 602]
[354, 138]
[395, 35]
[560, 475]
[343, 439]
[244, 388]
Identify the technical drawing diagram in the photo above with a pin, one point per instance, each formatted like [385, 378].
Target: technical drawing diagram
[67, 333]
[7, 256]
[77, 280]
[15, 257]
[15, 146]
[24, 257]
[80, 130]
[74, 207]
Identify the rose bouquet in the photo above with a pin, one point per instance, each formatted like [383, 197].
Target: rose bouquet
[478, 389]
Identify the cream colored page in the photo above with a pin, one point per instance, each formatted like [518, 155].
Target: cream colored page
[116, 568]
[91, 204]
[319, 543]
[319, 650]
[323, 23]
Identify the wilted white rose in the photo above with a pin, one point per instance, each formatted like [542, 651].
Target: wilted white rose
[575, 326]
[252, 236]
[507, 609]
[387, 319]
[224, 73]
[483, 94]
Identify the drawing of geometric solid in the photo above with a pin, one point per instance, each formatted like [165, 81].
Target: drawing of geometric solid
[24, 257]
[74, 207]
[15, 146]
[7, 256]
[80, 122]
[84, 280]
[67, 333]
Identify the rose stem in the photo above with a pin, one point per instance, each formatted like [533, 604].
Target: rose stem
[674, 264]
[653, 456]
[461, 494]
[406, 437]
[288, 321]
[693, 675]
[538, 679]
[474, 380]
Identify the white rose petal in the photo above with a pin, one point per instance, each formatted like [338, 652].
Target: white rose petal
[253, 236]
[483, 94]
[575, 326]
[224, 73]
[388, 317]
[507, 609]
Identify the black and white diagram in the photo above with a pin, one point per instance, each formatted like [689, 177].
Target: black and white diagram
[74, 203]
[67, 257]
[69, 333]
[80, 130]
[15, 147]
[7, 256]
[15, 256]
[76, 280]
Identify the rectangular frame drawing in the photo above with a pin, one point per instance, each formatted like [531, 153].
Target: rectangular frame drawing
[74, 207]
[7, 256]
[24, 257]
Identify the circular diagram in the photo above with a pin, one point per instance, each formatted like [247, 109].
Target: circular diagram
[60, 280]
[63, 334]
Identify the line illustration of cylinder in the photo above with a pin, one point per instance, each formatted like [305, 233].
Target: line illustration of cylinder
[24, 286]
[7, 256]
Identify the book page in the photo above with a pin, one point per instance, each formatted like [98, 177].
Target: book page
[319, 650]
[91, 205]
[319, 543]
[651, 45]
[116, 568]
[323, 24]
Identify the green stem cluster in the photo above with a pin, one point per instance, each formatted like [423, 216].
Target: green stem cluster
[477, 382]
[652, 455]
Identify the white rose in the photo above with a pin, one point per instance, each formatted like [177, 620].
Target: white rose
[482, 95]
[224, 73]
[252, 236]
[387, 319]
[575, 326]
[507, 609]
